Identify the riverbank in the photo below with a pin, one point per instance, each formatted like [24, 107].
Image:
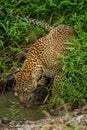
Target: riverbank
[74, 120]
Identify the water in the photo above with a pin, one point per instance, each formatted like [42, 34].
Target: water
[7, 109]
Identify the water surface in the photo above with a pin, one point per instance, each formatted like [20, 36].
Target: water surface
[7, 109]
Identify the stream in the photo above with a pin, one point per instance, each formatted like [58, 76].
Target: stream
[11, 108]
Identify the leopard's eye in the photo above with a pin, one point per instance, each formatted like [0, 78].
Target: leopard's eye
[24, 92]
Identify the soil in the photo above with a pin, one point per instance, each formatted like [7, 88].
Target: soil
[71, 120]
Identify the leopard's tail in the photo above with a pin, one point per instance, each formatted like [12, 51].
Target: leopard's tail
[40, 23]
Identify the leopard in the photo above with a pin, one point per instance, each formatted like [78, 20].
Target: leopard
[40, 61]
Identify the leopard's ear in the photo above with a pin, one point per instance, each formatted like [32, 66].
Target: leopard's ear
[16, 75]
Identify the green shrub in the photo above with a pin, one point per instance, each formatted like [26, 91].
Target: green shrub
[73, 84]
[75, 74]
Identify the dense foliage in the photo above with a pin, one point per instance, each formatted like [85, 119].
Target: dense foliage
[16, 31]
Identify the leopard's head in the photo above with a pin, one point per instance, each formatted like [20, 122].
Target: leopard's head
[24, 85]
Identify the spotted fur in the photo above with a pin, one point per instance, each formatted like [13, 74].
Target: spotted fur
[43, 54]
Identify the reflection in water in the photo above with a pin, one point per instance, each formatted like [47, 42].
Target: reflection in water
[31, 113]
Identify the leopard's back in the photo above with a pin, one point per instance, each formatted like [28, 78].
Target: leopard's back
[53, 45]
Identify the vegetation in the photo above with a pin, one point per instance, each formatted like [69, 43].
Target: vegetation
[14, 111]
[73, 80]
[16, 32]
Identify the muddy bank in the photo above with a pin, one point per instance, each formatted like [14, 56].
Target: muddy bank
[74, 120]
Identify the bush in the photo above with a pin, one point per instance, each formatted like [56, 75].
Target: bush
[74, 85]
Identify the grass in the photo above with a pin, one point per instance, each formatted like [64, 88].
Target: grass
[14, 111]
[16, 32]
[73, 80]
